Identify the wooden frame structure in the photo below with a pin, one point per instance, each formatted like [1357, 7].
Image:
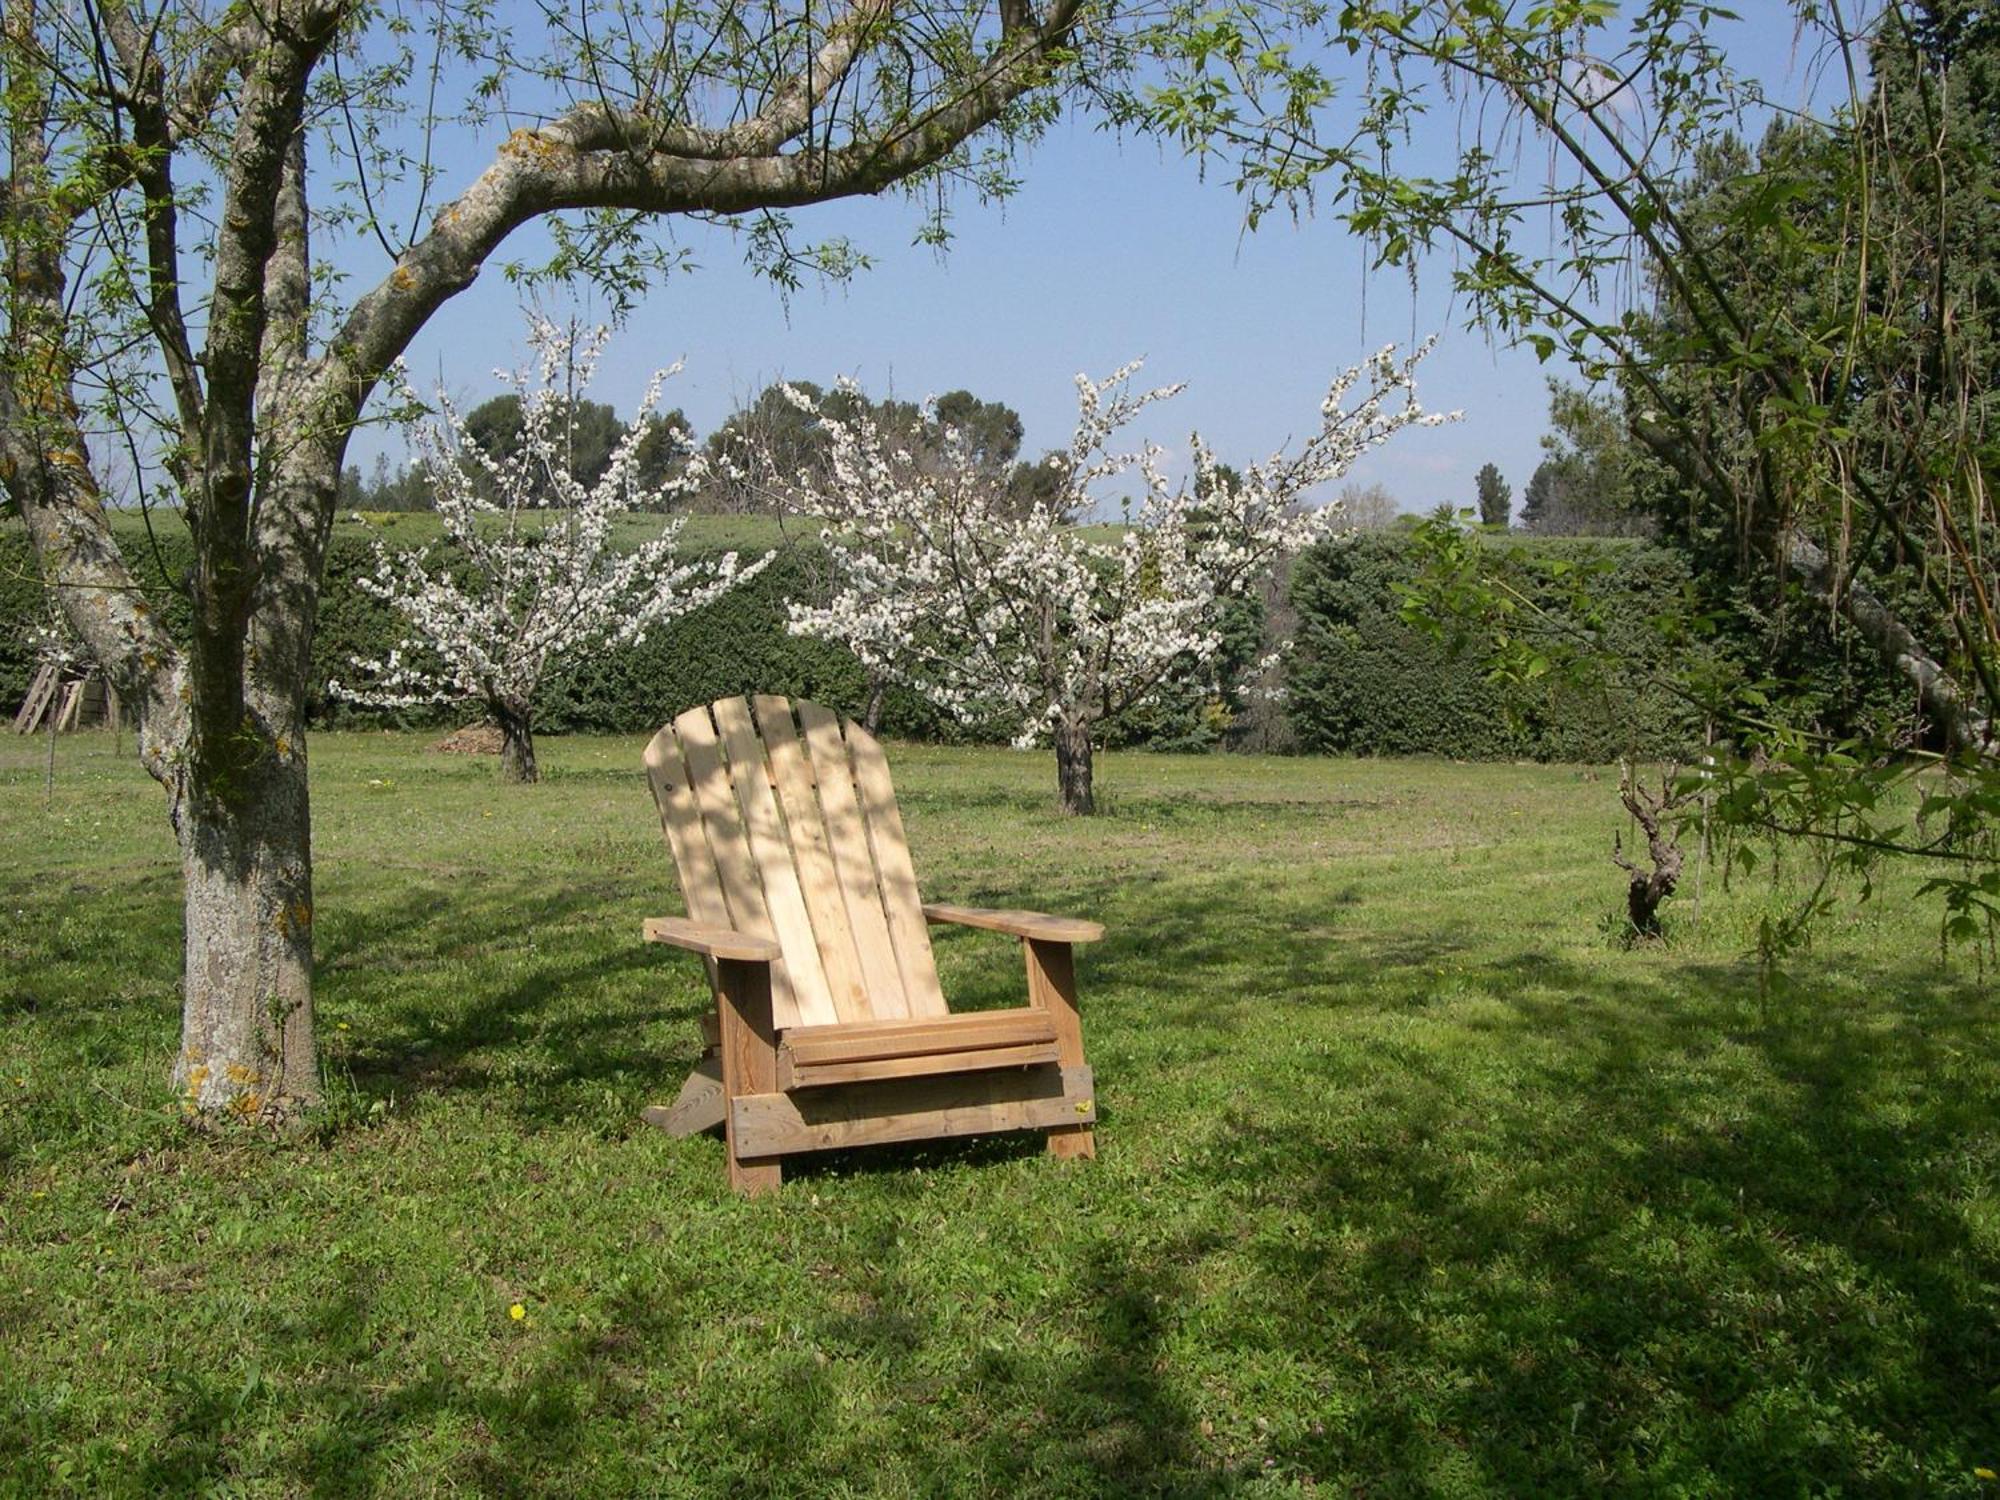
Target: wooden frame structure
[830, 1027]
[70, 701]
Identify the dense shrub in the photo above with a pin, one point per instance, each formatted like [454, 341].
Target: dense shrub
[1364, 683]
[738, 645]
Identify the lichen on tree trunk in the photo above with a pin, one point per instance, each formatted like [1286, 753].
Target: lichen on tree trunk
[247, 1017]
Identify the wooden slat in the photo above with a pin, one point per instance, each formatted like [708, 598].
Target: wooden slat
[39, 693]
[72, 700]
[819, 884]
[734, 868]
[680, 820]
[914, 1109]
[784, 900]
[701, 1106]
[901, 905]
[1023, 924]
[792, 1075]
[979, 1028]
[710, 942]
[847, 840]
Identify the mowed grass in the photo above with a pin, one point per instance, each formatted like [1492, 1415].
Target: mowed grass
[1411, 1181]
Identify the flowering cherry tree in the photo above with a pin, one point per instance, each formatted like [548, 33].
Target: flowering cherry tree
[536, 578]
[944, 585]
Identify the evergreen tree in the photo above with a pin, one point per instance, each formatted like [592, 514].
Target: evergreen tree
[1495, 496]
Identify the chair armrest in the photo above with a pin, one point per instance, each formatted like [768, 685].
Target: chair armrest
[1020, 924]
[711, 942]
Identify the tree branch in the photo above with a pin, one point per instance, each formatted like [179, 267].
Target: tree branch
[1965, 726]
[595, 157]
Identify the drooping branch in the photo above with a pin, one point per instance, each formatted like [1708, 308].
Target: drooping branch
[1966, 728]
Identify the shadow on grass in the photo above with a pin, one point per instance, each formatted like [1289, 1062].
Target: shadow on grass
[1676, 1247]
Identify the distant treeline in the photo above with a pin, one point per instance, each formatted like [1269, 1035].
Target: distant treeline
[771, 437]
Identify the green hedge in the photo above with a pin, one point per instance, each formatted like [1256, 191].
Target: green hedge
[1362, 682]
[737, 645]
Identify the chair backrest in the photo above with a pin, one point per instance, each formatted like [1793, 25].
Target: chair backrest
[788, 828]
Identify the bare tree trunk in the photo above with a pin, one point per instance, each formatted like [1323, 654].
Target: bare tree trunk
[517, 745]
[871, 716]
[1073, 769]
[1646, 889]
[247, 1020]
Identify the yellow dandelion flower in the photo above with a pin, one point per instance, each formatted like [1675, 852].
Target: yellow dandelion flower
[517, 1312]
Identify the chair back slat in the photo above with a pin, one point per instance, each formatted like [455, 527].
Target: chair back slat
[680, 820]
[750, 772]
[901, 904]
[854, 863]
[729, 846]
[812, 859]
[797, 838]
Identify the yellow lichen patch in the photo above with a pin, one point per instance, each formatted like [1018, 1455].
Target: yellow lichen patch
[403, 278]
[197, 1076]
[296, 917]
[237, 1073]
[525, 142]
[247, 1103]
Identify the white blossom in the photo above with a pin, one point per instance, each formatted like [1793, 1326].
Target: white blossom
[535, 578]
[984, 608]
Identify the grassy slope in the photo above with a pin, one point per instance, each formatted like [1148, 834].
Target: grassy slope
[1411, 1182]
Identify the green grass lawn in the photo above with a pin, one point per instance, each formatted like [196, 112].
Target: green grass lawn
[1411, 1180]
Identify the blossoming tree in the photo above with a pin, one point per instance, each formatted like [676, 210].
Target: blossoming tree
[537, 578]
[944, 584]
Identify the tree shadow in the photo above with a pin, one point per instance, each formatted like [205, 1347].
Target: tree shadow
[1615, 1270]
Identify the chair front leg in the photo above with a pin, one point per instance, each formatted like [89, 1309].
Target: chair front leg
[1052, 986]
[749, 1062]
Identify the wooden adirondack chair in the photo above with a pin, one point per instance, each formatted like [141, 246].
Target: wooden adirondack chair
[801, 898]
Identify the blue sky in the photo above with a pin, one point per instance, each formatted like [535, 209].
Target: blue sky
[1110, 250]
